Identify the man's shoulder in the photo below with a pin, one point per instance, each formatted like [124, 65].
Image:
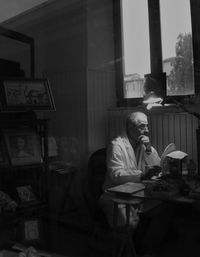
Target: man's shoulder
[119, 139]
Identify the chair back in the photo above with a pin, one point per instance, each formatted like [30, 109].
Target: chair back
[97, 172]
[96, 177]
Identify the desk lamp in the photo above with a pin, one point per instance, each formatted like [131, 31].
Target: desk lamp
[151, 100]
[154, 89]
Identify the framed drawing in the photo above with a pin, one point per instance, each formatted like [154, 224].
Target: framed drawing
[26, 94]
[26, 194]
[23, 146]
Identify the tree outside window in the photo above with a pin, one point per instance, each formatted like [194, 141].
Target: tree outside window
[181, 78]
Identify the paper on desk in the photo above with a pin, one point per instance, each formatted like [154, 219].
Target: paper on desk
[177, 155]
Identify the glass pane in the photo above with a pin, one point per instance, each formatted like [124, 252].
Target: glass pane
[135, 46]
[177, 46]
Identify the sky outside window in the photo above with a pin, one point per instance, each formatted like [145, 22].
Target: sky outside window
[135, 46]
[175, 19]
[135, 36]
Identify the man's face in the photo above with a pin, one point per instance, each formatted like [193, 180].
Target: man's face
[138, 127]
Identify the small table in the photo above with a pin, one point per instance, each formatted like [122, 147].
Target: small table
[127, 247]
[136, 199]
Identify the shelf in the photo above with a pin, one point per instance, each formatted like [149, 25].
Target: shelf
[26, 166]
[21, 209]
[19, 171]
[31, 205]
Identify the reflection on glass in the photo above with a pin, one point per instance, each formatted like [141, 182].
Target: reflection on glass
[135, 46]
[177, 46]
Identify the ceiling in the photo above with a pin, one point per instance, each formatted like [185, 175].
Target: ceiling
[11, 8]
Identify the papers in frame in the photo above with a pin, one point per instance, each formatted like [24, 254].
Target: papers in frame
[24, 94]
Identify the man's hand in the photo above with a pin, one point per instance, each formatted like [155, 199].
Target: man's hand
[145, 140]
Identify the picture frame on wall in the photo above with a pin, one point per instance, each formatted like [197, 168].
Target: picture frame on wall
[26, 194]
[31, 230]
[24, 94]
[23, 146]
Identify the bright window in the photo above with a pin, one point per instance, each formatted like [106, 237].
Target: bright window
[135, 46]
[177, 47]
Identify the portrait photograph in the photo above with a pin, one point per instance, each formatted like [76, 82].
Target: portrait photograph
[30, 230]
[23, 146]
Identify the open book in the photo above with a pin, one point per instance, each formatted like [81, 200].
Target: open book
[171, 152]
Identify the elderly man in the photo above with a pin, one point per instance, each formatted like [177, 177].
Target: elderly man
[130, 153]
[128, 157]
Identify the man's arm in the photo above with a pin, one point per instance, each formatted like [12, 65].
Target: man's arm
[151, 156]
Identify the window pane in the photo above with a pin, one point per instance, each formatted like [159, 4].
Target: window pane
[135, 46]
[177, 46]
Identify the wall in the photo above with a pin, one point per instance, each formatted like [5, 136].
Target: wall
[100, 37]
[100, 71]
[101, 95]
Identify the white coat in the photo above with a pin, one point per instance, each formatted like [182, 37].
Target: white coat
[125, 165]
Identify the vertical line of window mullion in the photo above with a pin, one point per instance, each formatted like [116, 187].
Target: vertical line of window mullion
[155, 36]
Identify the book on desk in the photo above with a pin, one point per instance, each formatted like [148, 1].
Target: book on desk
[126, 189]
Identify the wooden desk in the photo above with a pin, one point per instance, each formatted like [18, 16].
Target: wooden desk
[146, 194]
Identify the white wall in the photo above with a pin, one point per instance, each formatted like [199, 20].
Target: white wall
[100, 72]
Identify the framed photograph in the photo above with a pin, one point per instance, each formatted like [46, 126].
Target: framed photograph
[23, 146]
[31, 230]
[26, 194]
[26, 94]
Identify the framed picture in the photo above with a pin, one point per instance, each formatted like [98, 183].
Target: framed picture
[31, 230]
[26, 194]
[3, 156]
[23, 146]
[26, 94]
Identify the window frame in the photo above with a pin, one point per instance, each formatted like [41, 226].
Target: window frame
[156, 61]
